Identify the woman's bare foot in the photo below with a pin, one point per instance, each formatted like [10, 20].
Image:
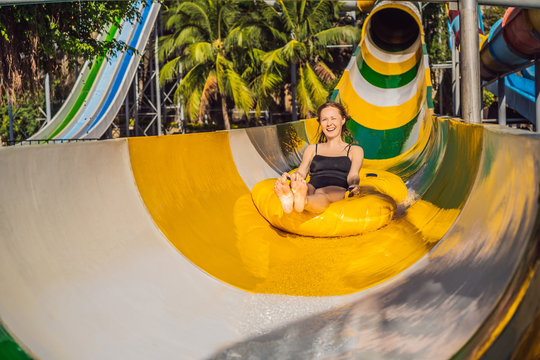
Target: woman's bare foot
[299, 189]
[283, 192]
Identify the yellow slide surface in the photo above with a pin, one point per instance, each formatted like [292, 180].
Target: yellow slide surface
[204, 208]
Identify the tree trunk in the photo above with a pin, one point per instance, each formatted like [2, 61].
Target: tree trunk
[226, 120]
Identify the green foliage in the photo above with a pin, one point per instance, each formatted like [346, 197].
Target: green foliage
[294, 32]
[488, 98]
[436, 33]
[36, 39]
[25, 113]
[200, 47]
[490, 15]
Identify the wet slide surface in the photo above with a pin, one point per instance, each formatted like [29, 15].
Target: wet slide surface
[85, 251]
[152, 248]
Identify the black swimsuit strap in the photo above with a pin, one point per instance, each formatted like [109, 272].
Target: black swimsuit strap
[349, 149]
[316, 148]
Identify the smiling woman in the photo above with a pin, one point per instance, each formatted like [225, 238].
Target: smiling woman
[333, 165]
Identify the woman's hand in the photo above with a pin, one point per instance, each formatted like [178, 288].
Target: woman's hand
[353, 190]
[295, 176]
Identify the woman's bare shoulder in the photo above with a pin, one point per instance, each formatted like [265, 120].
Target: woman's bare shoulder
[357, 150]
[310, 148]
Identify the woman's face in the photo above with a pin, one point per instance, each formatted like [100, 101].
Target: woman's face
[331, 122]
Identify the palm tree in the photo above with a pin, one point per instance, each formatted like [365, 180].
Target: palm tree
[199, 48]
[298, 33]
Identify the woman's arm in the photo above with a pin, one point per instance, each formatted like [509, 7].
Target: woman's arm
[303, 169]
[357, 158]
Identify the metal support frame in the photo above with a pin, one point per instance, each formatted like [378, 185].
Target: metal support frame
[456, 99]
[470, 62]
[158, 89]
[47, 98]
[126, 107]
[10, 116]
[501, 118]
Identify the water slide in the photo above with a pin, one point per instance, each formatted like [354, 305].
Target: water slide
[152, 247]
[513, 41]
[103, 84]
[520, 93]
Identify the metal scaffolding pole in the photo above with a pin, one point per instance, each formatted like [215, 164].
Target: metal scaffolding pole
[158, 90]
[47, 98]
[470, 62]
[10, 116]
[126, 106]
[501, 92]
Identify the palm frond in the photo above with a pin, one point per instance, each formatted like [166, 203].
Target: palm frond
[320, 14]
[187, 36]
[317, 91]
[237, 88]
[209, 92]
[286, 17]
[294, 50]
[195, 11]
[273, 59]
[200, 52]
[338, 35]
[193, 105]
[194, 80]
[169, 70]
[166, 46]
[323, 72]
[303, 98]
[301, 11]
[266, 83]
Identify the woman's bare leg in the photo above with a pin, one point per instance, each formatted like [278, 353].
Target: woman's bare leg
[283, 192]
[323, 197]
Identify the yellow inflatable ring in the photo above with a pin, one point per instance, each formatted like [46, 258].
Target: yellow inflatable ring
[372, 210]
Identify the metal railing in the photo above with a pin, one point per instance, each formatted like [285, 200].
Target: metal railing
[43, 141]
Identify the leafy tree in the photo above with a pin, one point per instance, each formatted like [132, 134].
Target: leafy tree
[25, 112]
[294, 35]
[490, 15]
[37, 39]
[200, 48]
[436, 32]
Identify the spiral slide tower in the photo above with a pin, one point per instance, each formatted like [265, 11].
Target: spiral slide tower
[152, 248]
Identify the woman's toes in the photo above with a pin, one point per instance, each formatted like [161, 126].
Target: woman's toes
[286, 197]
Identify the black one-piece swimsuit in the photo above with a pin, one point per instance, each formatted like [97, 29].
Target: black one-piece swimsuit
[329, 170]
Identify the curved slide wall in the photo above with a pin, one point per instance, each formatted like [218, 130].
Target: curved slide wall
[106, 259]
[151, 248]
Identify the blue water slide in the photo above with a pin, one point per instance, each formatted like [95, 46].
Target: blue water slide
[126, 71]
[519, 90]
[114, 78]
[99, 90]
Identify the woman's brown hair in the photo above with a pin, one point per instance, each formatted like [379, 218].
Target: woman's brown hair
[345, 133]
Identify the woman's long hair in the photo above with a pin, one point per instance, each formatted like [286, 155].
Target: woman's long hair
[345, 133]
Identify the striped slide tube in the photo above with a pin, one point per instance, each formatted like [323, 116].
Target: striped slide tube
[387, 85]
